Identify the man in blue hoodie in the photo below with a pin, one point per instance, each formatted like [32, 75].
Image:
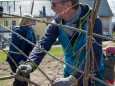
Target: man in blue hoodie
[71, 13]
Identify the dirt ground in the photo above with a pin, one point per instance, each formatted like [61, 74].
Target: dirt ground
[51, 67]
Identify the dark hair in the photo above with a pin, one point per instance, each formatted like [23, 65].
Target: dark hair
[75, 2]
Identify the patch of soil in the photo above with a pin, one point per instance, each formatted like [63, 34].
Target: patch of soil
[4, 67]
[50, 67]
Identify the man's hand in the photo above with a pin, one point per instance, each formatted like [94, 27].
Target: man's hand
[23, 70]
[69, 81]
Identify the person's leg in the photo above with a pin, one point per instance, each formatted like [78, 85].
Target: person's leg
[109, 74]
[20, 83]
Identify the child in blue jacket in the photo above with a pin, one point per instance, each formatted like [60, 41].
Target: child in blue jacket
[25, 30]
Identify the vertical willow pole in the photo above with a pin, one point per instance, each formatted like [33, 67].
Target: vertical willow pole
[89, 36]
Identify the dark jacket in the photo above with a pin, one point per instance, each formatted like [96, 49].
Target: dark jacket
[25, 47]
[52, 33]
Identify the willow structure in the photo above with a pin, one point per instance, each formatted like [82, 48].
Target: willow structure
[89, 36]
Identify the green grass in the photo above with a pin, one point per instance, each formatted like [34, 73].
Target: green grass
[3, 74]
[2, 56]
[113, 33]
[107, 45]
[3, 82]
[110, 43]
[56, 50]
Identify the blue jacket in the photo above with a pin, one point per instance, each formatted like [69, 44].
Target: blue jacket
[27, 33]
[54, 32]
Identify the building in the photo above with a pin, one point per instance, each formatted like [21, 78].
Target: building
[19, 8]
[10, 22]
[105, 13]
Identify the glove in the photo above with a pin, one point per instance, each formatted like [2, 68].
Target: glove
[23, 70]
[69, 81]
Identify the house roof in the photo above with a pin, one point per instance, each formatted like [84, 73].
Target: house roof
[104, 9]
[21, 8]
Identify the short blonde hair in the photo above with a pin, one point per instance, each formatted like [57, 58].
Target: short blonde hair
[24, 21]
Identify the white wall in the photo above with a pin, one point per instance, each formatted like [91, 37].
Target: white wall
[107, 25]
[110, 26]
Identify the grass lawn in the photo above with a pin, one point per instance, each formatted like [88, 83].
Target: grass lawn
[4, 82]
[2, 56]
[108, 43]
[55, 50]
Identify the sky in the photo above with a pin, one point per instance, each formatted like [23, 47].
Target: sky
[112, 6]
